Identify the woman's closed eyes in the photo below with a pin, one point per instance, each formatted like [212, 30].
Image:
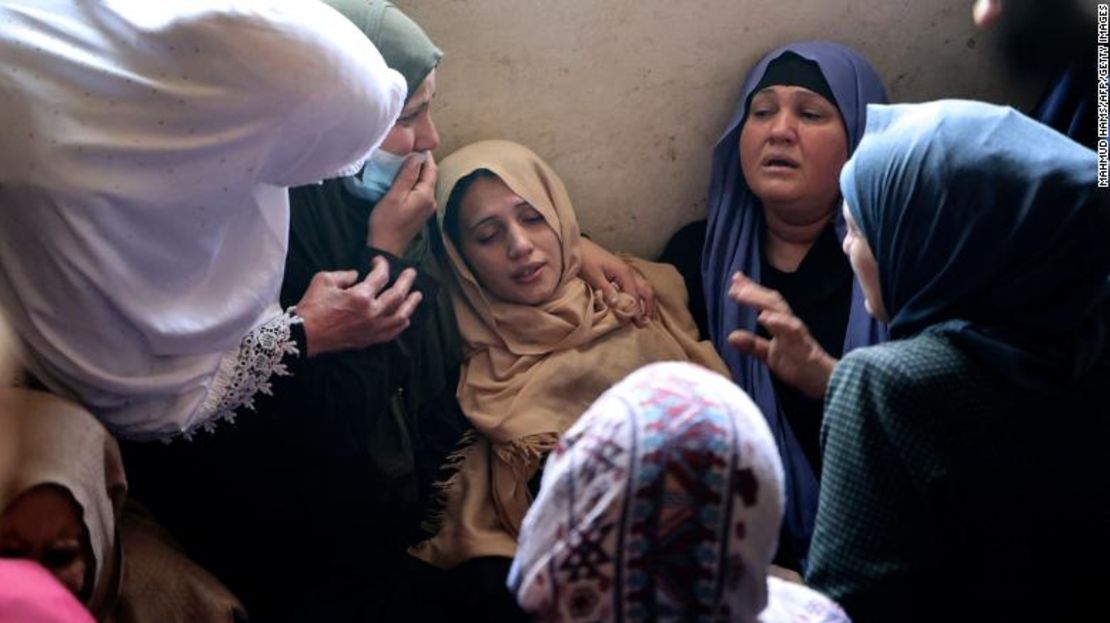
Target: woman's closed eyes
[489, 230]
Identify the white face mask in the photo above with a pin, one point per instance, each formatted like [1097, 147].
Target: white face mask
[373, 182]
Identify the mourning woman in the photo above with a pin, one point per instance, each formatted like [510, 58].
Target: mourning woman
[63, 506]
[774, 218]
[540, 343]
[965, 459]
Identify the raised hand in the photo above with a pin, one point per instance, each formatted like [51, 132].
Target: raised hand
[792, 354]
[341, 313]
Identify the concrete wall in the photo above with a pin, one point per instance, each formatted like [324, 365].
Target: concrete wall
[625, 98]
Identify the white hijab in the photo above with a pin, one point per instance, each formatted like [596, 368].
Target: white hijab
[662, 503]
[144, 158]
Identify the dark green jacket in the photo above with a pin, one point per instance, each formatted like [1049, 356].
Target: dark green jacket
[950, 495]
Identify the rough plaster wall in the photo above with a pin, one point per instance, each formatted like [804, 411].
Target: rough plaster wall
[625, 98]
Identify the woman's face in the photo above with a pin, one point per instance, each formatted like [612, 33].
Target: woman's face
[414, 130]
[44, 525]
[792, 147]
[866, 268]
[508, 244]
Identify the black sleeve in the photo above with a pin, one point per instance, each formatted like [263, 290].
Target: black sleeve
[683, 251]
[425, 284]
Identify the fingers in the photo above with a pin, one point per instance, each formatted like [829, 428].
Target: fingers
[609, 291]
[384, 303]
[429, 173]
[643, 317]
[425, 188]
[624, 278]
[646, 294]
[340, 318]
[408, 308]
[595, 277]
[335, 278]
[797, 358]
[747, 292]
[387, 303]
[407, 177]
[629, 280]
[750, 344]
[376, 279]
[419, 172]
[394, 324]
[611, 275]
[783, 325]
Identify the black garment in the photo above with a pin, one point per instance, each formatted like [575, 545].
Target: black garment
[819, 293]
[683, 251]
[305, 507]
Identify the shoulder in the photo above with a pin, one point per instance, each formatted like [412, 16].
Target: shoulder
[913, 367]
[902, 386]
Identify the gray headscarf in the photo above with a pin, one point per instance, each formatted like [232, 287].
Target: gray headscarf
[402, 43]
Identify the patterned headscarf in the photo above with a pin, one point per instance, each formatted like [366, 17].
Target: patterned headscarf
[662, 503]
[734, 242]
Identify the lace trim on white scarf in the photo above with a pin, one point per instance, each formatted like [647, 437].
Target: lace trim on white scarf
[248, 371]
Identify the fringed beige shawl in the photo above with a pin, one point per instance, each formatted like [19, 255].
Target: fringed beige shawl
[531, 371]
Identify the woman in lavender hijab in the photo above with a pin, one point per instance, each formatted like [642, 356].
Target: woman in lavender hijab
[772, 245]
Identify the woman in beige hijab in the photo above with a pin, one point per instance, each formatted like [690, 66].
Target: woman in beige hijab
[541, 344]
[62, 491]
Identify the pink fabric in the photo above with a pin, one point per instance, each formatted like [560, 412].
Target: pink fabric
[29, 594]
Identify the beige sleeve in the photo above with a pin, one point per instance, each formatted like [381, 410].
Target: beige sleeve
[673, 302]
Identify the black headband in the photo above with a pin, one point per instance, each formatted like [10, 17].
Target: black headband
[790, 69]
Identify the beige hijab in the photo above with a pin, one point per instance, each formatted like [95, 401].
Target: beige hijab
[140, 575]
[530, 371]
[47, 440]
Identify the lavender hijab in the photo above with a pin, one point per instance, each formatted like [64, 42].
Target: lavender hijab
[734, 242]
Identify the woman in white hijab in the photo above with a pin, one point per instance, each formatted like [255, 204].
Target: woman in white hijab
[144, 158]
